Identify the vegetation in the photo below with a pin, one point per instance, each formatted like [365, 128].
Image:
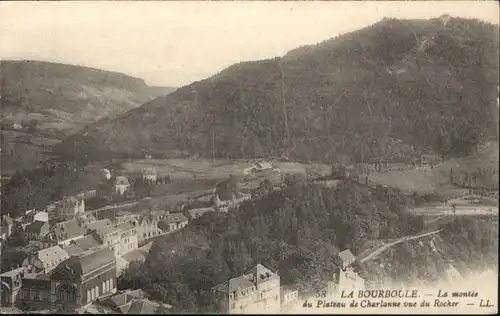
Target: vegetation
[468, 243]
[296, 231]
[49, 182]
[385, 91]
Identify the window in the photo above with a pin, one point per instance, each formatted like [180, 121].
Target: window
[37, 295]
[233, 305]
[92, 294]
[111, 283]
[97, 291]
[26, 294]
[89, 298]
[104, 290]
[107, 285]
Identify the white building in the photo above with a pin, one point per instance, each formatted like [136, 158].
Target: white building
[122, 185]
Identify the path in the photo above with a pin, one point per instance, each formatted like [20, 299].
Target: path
[400, 240]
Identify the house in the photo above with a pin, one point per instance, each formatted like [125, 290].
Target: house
[88, 242]
[45, 260]
[257, 291]
[259, 167]
[147, 224]
[68, 208]
[149, 174]
[98, 224]
[80, 280]
[122, 185]
[64, 232]
[289, 297]
[41, 216]
[345, 258]
[36, 230]
[197, 212]
[130, 302]
[35, 292]
[173, 222]
[10, 285]
[121, 238]
[6, 227]
[106, 174]
[228, 195]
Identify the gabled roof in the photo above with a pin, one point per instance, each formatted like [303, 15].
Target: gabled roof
[121, 180]
[261, 273]
[98, 224]
[86, 243]
[67, 230]
[52, 254]
[73, 250]
[264, 165]
[117, 227]
[346, 256]
[175, 218]
[85, 263]
[143, 306]
[37, 227]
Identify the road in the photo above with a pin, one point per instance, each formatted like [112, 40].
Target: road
[473, 210]
[398, 241]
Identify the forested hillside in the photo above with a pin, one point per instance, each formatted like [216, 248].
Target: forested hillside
[297, 231]
[395, 87]
[42, 103]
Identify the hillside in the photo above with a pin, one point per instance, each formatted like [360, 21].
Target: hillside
[298, 232]
[391, 89]
[44, 102]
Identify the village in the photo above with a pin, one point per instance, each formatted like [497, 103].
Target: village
[76, 255]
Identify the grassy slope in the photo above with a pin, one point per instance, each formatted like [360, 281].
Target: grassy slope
[62, 99]
[374, 92]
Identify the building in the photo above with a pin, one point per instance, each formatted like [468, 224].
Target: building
[289, 298]
[35, 292]
[45, 260]
[7, 225]
[68, 208]
[128, 302]
[198, 212]
[147, 224]
[82, 245]
[64, 232]
[149, 174]
[259, 167]
[106, 174]
[345, 259]
[98, 224]
[36, 230]
[121, 238]
[122, 185]
[173, 222]
[345, 278]
[41, 216]
[257, 291]
[82, 279]
[10, 285]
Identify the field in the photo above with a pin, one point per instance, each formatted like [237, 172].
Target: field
[437, 179]
[21, 150]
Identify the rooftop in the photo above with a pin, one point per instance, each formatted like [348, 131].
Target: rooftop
[36, 227]
[80, 265]
[51, 254]
[346, 256]
[67, 230]
[98, 224]
[86, 243]
[121, 180]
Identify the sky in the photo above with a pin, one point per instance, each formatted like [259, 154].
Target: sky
[176, 43]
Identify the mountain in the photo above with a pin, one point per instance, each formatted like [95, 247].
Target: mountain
[43, 102]
[391, 89]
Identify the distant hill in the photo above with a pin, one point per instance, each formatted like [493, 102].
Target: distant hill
[396, 87]
[50, 101]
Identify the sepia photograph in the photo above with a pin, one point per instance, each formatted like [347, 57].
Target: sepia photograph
[249, 157]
